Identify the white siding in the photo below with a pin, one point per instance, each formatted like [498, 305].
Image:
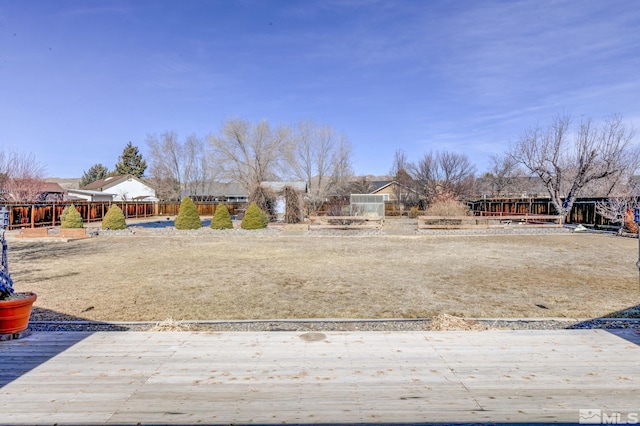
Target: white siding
[131, 189]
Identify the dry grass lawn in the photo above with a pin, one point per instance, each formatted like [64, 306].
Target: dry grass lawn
[267, 277]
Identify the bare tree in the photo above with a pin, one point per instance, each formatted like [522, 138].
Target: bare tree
[503, 174]
[405, 192]
[444, 174]
[567, 163]
[620, 202]
[342, 169]
[615, 209]
[21, 177]
[322, 158]
[251, 153]
[360, 185]
[199, 164]
[165, 154]
[179, 167]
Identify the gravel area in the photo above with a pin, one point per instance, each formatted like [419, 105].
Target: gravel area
[340, 325]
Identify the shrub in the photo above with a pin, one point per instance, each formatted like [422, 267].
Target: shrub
[70, 218]
[188, 217]
[63, 215]
[114, 219]
[414, 212]
[265, 218]
[447, 207]
[221, 218]
[254, 218]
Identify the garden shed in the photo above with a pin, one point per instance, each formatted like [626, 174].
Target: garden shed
[367, 205]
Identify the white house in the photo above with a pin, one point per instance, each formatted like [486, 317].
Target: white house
[89, 195]
[123, 188]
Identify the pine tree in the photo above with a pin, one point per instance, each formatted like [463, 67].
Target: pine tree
[254, 218]
[188, 217]
[114, 219]
[70, 218]
[221, 218]
[95, 172]
[131, 162]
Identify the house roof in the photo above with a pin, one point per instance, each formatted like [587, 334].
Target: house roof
[382, 184]
[229, 189]
[377, 185]
[279, 186]
[108, 182]
[219, 189]
[53, 188]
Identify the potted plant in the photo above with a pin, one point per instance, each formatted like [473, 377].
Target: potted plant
[15, 308]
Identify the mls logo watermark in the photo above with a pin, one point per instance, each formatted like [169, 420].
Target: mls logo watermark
[595, 416]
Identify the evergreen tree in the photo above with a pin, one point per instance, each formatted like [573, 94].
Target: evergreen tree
[95, 172]
[221, 218]
[63, 215]
[131, 162]
[70, 218]
[254, 218]
[114, 219]
[188, 217]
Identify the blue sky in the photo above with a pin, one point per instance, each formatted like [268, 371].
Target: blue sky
[79, 79]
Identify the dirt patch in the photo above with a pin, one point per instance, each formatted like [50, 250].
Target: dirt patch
[214, 277]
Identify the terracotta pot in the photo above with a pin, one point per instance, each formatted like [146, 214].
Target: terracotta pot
[15, 313]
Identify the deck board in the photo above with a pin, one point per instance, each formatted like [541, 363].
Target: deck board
[360, 377]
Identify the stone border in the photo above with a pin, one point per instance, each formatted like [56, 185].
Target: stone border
[386, 325]
[283, 231]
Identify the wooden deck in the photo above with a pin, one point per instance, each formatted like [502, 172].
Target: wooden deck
[313, 378]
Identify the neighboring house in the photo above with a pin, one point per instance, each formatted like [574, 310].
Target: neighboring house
[123, 188]
[47, 192]
[393, 192]
[89, 195]
[225, 192]
[387, 188]
[51, 191]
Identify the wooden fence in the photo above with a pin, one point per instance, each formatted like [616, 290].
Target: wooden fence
[583, 210]
[48, 214]
[41, 214]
